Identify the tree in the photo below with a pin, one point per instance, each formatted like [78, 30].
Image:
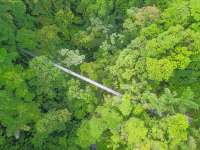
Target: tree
[176, 14]
[98, 8]
[85, 139]
[48, 39]
[70, 57]
[17, 108]
[95, 34]
[53, 120]
[159, 70]
[63, 19]
[146, 15]
[27, 39]
[81, 101]
[16, 114]
[143, 49]
[194, 5]
[47, 77]
[138, 130]
[6, 30]
[127, 62]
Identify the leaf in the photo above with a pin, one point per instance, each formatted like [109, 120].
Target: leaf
[187, 94]
[97, 127]
[138, 109]
[24, 127]
[11, 129]
[85, 139]
[3, 54]
[10, 121]
[52, 121]
[70, 57]
[159, 70]
[136, 130]
[195, 5]
[2, 139]
[177, 13]
[4, 8]
[27, 39]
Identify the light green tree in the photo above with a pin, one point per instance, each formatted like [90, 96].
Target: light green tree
[70, 57]
[159, 70]
[195, 5]
[177, 13]
[17, 107]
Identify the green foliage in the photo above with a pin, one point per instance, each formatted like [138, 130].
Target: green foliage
[111, 45]
[120, 41]
[29, 22]
[136, 131]
[97, 126]
[146, 16]
[136, 3]
[125, 64]
[128, 24]
[53, 120]
[15, 114]
[194, 138]
[138, 109]
[6, 33]
[80, 114]
[131, 12]
[162, 4]
[120, 7]
[16, 15]
[177, 13]
[47, 77]
[195, 5]
[176, 128]
[2, 139]
[159, 70]
[27, 39]
[111, 117]
[70, 57]
[85, 138]
[4, 15]
[80, 100]
[48, 39]
[18, 11]
[91, 70]
[63, 19]
[44, 9]
[95, 34]
[168, 103]
[125, 106]
[98, 8]
[4, 8]
[157, 133]
[150, 32]
[196, 26]
[176, 45]
[13, 77]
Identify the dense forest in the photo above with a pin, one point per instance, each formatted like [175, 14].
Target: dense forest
[147, 50]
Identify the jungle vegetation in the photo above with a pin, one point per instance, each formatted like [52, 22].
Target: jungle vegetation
[147, 50]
